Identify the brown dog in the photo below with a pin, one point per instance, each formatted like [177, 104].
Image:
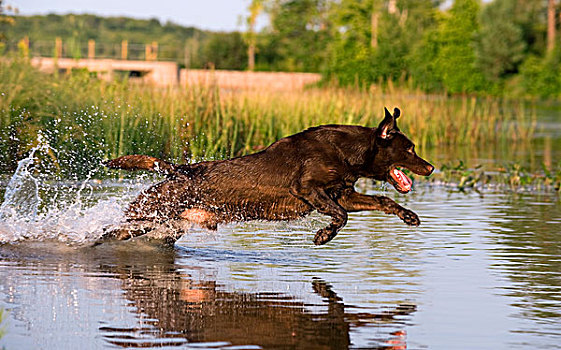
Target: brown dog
[313, 170]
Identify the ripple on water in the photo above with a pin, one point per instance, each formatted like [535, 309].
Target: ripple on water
[482, 271]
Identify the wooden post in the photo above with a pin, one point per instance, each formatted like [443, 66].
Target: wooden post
[187, 58]
[124, 49]
[58, 47]
[91, 48]
[147, 52]
[154, 50]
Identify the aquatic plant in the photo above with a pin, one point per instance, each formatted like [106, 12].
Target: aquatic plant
[87, 120]
[511, 176]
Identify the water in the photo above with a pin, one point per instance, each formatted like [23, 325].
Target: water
[542, 151]
[482, 271]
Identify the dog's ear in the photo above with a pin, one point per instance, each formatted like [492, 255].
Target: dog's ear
[388, 124]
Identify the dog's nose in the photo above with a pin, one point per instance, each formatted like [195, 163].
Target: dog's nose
[430, 169]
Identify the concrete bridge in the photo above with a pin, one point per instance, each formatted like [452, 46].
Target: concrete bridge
[161, 73]
[152, 72]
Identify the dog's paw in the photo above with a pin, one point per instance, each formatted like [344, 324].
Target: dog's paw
[323, 236]
[123, 232]
[115, 234]
[409, 217]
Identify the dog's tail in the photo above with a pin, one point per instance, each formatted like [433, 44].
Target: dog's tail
[141, 162]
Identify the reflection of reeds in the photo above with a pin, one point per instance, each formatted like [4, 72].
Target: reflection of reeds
[2, 326]
[87, 120]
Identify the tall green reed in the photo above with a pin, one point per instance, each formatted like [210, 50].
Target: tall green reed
[87, 120]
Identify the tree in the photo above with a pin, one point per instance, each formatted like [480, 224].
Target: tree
[5, 20]
[350, 52]
[255, 8]
[225, 51]
[455, 59]
[299, 35]
[374, 19]
[374, 39]
[542, 76]
[550, 25]
[500, 45]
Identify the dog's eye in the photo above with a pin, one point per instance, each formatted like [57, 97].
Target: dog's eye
[411, 150]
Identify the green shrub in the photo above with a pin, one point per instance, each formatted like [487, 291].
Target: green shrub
[542, 77]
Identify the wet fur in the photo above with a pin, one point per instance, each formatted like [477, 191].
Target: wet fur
[315, 169]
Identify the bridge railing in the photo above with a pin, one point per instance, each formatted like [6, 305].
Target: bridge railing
[124, 50]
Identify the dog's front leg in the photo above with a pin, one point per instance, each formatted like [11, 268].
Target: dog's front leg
[353, 201]
[320, 201]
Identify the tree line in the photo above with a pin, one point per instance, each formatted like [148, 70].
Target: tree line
[499, 47]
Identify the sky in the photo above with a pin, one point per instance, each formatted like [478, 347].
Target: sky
[219, 15]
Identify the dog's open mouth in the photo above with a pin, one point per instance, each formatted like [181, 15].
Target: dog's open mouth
[400, 181]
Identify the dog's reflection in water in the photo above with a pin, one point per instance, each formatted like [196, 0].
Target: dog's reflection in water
[177, 309]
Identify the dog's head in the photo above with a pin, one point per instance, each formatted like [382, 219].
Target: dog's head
[392, 151]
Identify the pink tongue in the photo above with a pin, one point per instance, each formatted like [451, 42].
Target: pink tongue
[402, 179]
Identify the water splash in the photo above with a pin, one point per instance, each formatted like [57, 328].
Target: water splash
[73, 212]
[21, 198]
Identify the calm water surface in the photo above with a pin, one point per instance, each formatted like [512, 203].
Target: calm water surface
[483, 271]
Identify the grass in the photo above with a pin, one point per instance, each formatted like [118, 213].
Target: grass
[86, 120]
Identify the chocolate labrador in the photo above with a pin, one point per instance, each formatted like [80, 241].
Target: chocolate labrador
[315, 169]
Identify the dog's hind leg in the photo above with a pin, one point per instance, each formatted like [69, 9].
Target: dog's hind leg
[353, 201]
[169, 231]
[201, 217]
[125, 231]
